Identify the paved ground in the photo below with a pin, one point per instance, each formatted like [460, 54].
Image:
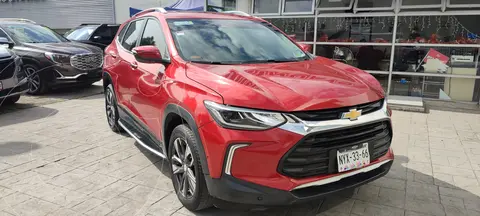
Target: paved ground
[62, 159]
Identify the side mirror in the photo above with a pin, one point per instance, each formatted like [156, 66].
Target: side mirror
[305, 47]
[7, 42]
[148, 54]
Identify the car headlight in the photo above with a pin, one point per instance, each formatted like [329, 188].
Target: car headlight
[243, 119]
[58, 58]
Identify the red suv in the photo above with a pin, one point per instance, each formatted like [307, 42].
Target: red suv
[241, 112]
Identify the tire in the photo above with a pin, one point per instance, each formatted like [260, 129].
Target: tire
[197, 198]
[9, 100]
[111, 109]
[37, 83]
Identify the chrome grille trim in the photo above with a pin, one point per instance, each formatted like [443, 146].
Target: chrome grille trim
[89, 61]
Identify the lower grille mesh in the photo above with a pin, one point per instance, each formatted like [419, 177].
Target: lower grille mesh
[316, 153]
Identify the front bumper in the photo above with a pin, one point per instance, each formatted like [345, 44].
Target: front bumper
[231, 189]
[244, 165]
[67, 75]
[19, 89]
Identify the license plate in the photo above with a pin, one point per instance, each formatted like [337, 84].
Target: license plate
[353, 157]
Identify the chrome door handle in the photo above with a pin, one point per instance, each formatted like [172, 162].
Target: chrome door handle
[111, 53]
[133, 65]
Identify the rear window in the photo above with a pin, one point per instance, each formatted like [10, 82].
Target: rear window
[80, 33]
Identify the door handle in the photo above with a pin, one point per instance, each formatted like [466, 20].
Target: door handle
[111, 53]
[133, 65]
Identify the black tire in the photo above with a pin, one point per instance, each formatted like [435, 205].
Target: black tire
[37, 83]
[200, 198]
[9, 100]
[111, 109]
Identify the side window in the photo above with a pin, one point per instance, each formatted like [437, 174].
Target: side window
[153, 35]
[131, 35]
[2, 34]
[122, 33]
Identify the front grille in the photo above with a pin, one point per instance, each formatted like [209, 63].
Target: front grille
[87, 61]
[316, 154]
[332, 114]
[7, 68]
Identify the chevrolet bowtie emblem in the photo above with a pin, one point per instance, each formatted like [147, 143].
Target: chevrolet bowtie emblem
[352, 115]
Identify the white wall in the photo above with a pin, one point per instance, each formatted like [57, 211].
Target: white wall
[244, 5]
[122, 12]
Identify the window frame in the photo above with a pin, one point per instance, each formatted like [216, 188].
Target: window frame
[138, 37]
[267, 14]
[147, 18]
[421, 6]
[312, 11]
[335, 8]
[450, 5]
[391, 8]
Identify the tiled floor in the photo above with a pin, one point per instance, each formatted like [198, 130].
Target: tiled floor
[62, 159]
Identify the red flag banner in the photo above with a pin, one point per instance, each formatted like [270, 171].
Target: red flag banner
[434, 54]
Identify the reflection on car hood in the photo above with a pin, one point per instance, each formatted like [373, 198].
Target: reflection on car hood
[307, 85]
[64, 47]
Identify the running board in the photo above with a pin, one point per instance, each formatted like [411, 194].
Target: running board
[140, 141]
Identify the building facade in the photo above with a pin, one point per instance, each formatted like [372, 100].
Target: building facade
[427, 48]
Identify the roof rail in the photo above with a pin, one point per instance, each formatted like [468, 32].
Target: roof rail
[17, 20]
[156, 9]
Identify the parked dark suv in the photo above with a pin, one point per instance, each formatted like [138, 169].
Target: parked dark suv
[50, 60]
[100, 35]
[12, 79]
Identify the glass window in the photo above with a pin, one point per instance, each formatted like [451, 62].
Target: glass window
[383, 80]
[2, 34]
[31, 33]
[444, 88]
[422, 2]
[373, 58]
[302, 28]
[131, 35]
[374, 3]
[292, 6]
[443, 60]
[438, 29]
[80, 33]
[107, 33]
[232, 42]
[266, 6]
[355, 29]
[334, 3]
[223, 5]
[464, 2]
[153, 35]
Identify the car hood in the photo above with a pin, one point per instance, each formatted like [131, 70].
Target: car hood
[64, 47]
[294, 86]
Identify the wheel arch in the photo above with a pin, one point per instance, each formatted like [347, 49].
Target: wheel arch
[175, 115]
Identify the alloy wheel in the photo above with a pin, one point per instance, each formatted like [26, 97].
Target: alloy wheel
[33, 79]
[183, 168]
[109, 107]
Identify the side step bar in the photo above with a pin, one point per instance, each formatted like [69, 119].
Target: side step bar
[141, 142]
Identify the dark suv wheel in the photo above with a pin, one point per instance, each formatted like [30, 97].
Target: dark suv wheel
[36, 83]
[186, 171]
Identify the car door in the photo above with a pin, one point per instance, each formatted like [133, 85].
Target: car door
[127, 67]
[150, 97]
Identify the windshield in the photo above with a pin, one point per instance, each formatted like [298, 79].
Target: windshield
[232, 41]
[30, 33]
[81, 33]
